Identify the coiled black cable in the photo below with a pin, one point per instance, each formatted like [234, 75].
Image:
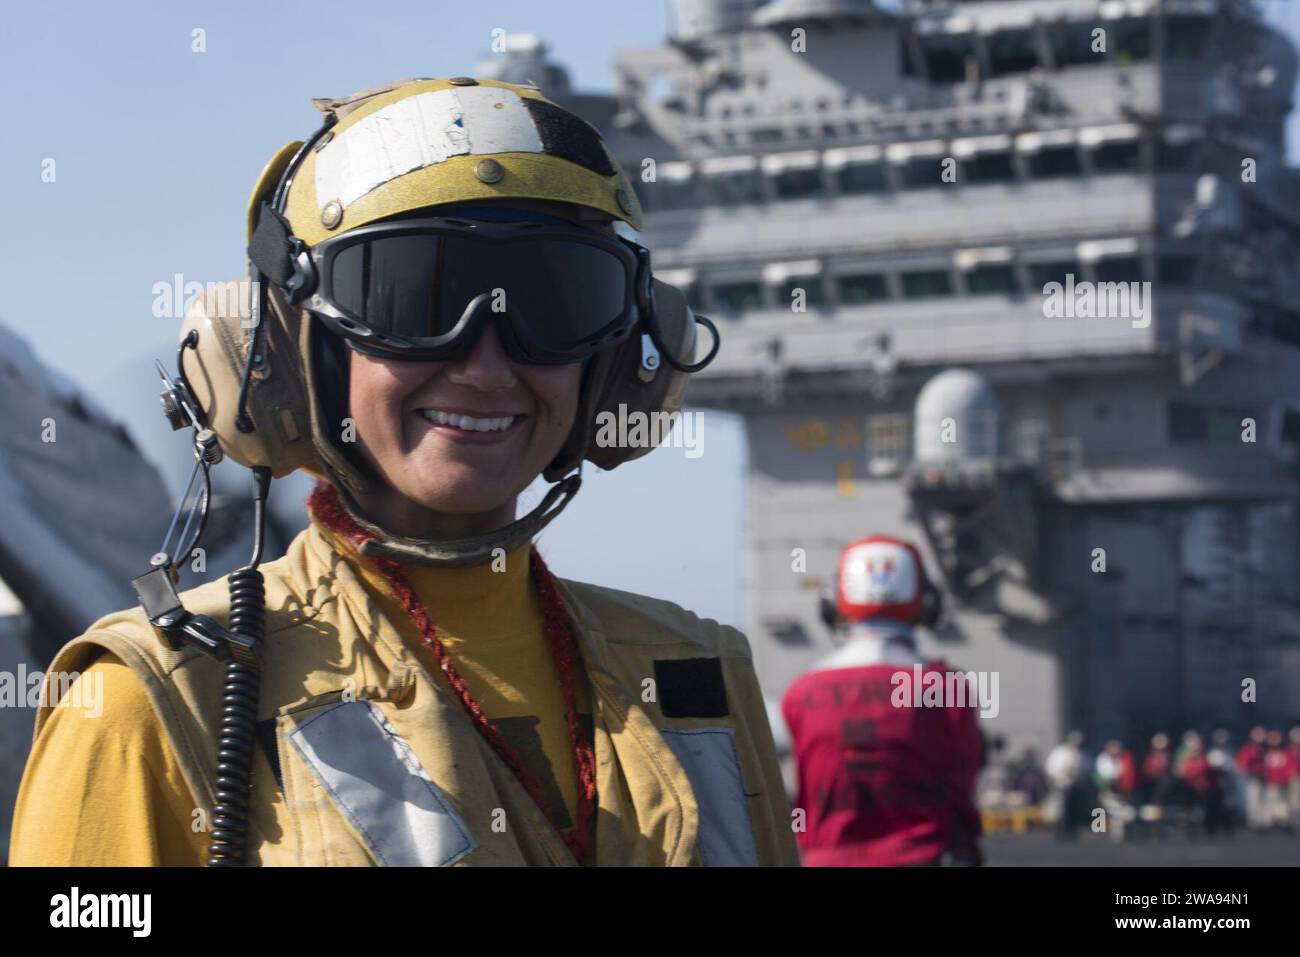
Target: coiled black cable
[238, 724]
[237, 734]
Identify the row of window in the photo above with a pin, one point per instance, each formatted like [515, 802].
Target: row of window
[1201, 422]
[677, 186]
[889, 436]
[735, 298]
[945, 57]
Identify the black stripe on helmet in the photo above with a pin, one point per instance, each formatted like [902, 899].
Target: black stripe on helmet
[569, 137]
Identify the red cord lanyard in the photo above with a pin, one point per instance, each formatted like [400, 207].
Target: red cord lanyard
[325, 506]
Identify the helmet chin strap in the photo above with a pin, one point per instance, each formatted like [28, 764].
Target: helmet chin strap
[473, 550]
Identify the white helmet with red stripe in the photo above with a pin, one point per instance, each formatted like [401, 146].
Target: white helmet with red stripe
[882, 577]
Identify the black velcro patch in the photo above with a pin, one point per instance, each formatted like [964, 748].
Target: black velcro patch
[691, 688]
[569, 137]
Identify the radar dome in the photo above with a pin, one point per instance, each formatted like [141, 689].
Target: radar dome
[956, 419]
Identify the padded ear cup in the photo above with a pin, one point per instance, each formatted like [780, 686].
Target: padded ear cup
[281, 439]
[826, 609]
[931, 604]
[616, 389]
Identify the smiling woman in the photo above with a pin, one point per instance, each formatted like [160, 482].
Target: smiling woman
[446, 313]
[458, 441]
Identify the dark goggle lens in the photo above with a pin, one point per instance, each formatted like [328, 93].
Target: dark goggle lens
[418, 286]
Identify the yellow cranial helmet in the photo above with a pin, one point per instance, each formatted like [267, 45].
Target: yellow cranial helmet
[397, 149]
[420, 143]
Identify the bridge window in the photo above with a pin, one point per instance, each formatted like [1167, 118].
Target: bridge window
[861, 178]
[921, 172]
[1072, 43]
[927, 284]
[813, 290]
[1131, 40]
[672, 188]
[1118, 269]
[1054, 162]
[734, 298]
[1117, 156]
[991, 280]
[734, 189]
[797, 183]
[856, 290]
[1012, 51]
[1042, 273]
[945, 56]
[989, 167]
[1193, 422]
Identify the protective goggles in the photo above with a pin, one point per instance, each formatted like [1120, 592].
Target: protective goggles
[422, 288]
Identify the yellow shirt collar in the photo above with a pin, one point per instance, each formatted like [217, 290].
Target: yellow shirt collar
[492, 600]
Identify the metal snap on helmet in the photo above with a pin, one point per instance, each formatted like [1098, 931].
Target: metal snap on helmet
[387, 151]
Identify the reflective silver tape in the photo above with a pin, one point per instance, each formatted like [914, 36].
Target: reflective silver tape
[420, 131]
[708, 755]
[375, 780]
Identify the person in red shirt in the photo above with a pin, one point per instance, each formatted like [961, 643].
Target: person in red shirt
[1117, 782]
[1293, 791]
[886, 768]
[1250, 762]
[1128, 774]
[1118, 770]
[1206, 784]
[1194, 766]
[1157, 769]
[1279, 771]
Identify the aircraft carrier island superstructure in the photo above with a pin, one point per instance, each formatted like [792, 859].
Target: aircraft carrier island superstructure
[874, 206]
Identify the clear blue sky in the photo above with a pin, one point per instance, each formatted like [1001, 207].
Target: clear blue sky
[156, 148]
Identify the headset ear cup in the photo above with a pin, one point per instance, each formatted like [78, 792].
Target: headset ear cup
[931, 604]
[830, 615]
[281, 437]
[623, 396]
